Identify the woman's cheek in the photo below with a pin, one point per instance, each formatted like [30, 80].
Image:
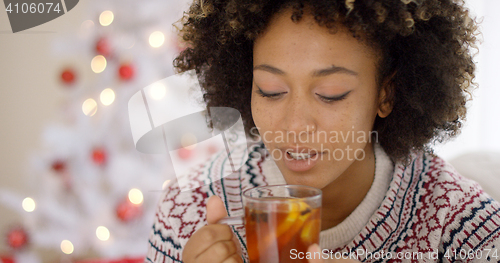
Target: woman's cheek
[259, 118]
[261, 112]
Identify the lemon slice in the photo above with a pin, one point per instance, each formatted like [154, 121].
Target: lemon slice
[297, 211]
[294, 222]
[310, 231]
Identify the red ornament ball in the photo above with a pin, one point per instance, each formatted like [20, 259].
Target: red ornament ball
[102, 47]
[184, 153]
[17, 238]
[126, 72]
[7, 259]
[59, 166]
[68, 76]
[99, 156]
[127, 211]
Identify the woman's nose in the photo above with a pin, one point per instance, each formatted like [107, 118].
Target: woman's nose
[299, 122]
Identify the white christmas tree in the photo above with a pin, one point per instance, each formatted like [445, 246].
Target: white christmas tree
[92, 191]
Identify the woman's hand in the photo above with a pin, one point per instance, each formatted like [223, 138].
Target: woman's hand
[213, 243]
[314, 249]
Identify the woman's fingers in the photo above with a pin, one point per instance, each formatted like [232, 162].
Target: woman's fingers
[213, 243]
[204, 238]
[219, 252]
[235, 258]
[215, 209]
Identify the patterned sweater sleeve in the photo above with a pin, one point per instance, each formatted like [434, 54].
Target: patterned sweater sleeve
[164, 244]
[472, 225]
[178, 216]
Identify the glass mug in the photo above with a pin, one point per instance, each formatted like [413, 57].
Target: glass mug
[279, 220]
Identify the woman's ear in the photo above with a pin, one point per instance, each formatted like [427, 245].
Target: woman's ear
[386, 97]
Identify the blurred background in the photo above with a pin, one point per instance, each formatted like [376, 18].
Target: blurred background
[72, 186]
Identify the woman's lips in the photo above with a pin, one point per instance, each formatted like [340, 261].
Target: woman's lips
[300, 165]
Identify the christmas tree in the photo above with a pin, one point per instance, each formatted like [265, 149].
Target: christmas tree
[93, 193]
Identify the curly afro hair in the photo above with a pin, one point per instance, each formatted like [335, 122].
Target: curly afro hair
[426, 48]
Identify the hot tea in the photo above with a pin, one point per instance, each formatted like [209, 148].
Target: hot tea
[276, 227]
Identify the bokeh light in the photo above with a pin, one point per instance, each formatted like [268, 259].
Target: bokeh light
[106, 18]
[156, 39]
[29, 204]
[135, 196]
[107, 96]
[67, 247]
[188, 141]
[98, 64]
[158, 91]
[102, 233]
[89, 107]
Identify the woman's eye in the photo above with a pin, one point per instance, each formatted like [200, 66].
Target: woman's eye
[334, 98]
[269, 95]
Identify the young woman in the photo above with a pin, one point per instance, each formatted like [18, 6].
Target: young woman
[346, 96]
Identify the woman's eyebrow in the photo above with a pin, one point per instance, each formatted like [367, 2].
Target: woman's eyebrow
[270, 69]
[317, 73]
[332, 70]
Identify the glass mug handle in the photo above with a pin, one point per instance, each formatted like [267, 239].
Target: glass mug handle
[232, 220]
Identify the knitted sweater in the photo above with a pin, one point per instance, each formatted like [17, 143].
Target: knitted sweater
[421, 212]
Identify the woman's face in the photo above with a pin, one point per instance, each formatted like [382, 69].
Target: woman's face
[314, 99]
